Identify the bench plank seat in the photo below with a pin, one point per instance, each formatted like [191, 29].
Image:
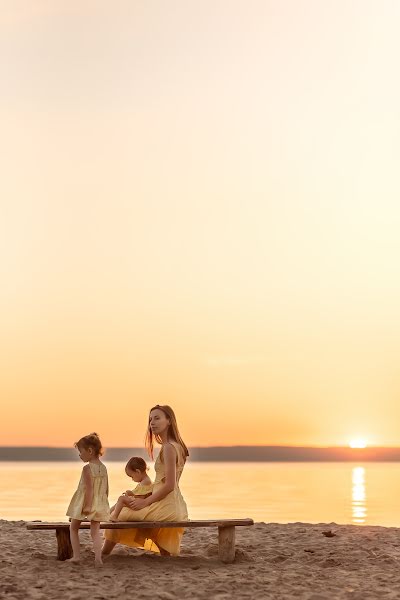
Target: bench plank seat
[226, 532]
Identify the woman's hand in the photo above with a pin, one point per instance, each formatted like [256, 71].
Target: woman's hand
[86, 510]
[138, 503]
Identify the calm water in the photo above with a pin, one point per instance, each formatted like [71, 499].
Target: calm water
[272, 492]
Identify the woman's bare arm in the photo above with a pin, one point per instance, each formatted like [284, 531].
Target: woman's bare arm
[169, 455]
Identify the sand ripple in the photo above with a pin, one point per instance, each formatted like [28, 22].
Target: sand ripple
[294, 561]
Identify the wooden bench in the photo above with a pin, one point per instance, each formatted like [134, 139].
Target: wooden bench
[226, 532]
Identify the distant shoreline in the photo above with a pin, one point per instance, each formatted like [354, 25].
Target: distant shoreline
[217, 454]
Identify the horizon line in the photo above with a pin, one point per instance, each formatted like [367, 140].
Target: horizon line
[333, 447]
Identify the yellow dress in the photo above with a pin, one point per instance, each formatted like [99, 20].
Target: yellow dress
[100, 507]
[143, 489]
[171, 508]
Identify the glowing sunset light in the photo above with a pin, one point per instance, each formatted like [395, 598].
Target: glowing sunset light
[358, 443]
[211, 223]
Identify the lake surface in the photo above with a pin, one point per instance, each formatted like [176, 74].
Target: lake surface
[363, 494]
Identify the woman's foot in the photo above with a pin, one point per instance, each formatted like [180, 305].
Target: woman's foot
[74, 561]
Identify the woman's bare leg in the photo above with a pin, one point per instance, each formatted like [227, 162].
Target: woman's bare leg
[108, 547]
[74, 535]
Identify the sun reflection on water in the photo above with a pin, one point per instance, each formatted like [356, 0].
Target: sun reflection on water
[358, 496]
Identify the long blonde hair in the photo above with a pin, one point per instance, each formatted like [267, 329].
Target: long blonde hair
[173, 431]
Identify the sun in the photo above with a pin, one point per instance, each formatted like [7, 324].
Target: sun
[358, 443]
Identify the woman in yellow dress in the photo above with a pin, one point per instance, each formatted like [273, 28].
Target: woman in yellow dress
[166, 503]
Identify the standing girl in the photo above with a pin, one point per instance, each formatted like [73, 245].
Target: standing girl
[90, 501]
[166, 502]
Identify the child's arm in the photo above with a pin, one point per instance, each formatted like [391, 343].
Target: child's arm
[88, 499]
[169, 484]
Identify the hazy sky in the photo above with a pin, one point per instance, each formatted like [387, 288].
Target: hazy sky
[200, 206]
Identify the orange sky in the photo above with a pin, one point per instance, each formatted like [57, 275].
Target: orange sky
[200, 207]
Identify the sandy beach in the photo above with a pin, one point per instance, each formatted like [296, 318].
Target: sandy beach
[272, 561]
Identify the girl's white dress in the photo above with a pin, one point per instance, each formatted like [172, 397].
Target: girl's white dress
[100, 507]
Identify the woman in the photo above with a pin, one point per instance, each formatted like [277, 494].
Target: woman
[166, 503]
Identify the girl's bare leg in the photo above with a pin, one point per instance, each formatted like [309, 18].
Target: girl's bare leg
[97, 541]
[108, 547]
[74, 535]
[122, 501]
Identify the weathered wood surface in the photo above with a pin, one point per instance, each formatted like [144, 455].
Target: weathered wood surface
[145, 524]
[226, 532]
[64, 548]
[226, 544]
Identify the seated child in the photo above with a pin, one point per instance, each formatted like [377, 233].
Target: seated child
[136, 469]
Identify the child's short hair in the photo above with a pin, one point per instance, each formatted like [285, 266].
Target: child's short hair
[90, 441]
[136, 464]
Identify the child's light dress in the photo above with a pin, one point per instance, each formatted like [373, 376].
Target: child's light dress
[143, 489]
[100, 507]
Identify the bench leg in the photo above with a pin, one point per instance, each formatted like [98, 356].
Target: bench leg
[226, 544]
[64, 548]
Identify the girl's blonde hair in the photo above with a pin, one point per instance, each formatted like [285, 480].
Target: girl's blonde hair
[90, 441]
[173, 431]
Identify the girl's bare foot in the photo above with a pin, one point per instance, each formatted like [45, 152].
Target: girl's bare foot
[74, 561]
[98, 563]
